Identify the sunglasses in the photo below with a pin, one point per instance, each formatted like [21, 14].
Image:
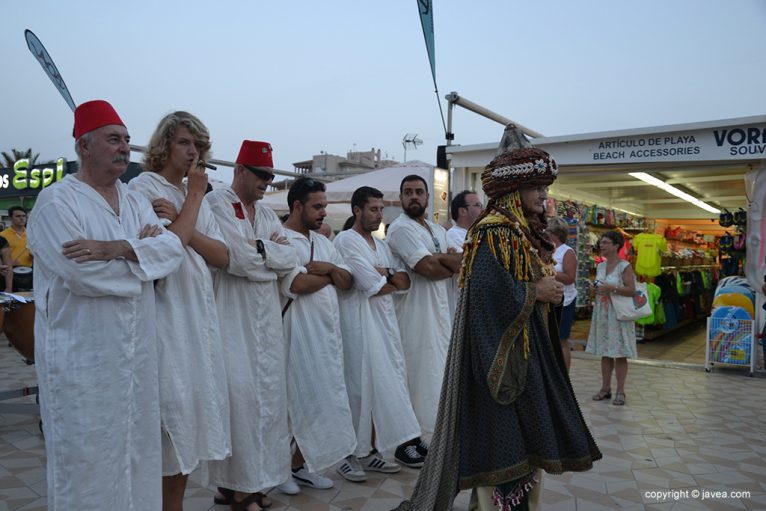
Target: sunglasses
[309, 185]
[260, 173]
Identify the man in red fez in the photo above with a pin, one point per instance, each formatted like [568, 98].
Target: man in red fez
[261, 261]
[98, 249]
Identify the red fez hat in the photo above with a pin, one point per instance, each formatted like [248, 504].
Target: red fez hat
[255, 154]
[93, 115]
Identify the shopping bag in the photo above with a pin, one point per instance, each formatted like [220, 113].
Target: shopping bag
[631, 308]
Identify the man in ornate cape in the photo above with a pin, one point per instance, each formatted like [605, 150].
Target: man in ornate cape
[507, 409]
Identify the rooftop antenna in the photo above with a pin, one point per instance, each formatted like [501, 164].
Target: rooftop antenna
[410, 138]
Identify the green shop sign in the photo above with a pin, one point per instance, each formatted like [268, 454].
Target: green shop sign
[24, 181]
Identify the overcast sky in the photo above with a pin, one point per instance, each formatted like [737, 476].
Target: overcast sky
[337, 75]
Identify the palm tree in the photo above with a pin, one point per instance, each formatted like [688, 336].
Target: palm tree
[16, 155]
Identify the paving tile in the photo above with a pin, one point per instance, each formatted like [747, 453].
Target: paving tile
[681, 430]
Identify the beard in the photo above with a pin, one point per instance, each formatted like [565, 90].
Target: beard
[371, 226]
[414, 210]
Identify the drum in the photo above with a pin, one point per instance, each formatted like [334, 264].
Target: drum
[22, 278]
[5, 304]
[19, 325]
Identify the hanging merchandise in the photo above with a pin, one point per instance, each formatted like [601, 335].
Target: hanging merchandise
[583, 249]
[586, 215]
[673, 233]
[729, 266]
[657, 317]
[738, 243]
[600, 216]
[740, 217]
[649, 248]
[725, 219]
[568, 210]
[726, 242]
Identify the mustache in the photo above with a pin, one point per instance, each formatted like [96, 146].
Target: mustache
[121, 158]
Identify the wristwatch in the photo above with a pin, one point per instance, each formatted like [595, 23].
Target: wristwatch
[260, 248]
[390, 274]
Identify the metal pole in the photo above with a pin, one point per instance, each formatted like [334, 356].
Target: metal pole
[225, 163]
[453, 97]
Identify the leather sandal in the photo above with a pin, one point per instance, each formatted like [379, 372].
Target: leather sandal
[243, 504]
[602, 394]
[263, 500]
[619, 399]
[228, 497]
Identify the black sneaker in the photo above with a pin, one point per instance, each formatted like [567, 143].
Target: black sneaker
[408, 455]
[422, 447]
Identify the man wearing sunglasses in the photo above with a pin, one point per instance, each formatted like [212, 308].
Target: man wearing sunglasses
[423, 313]
[247, 296]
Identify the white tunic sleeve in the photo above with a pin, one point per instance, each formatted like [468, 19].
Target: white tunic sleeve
[244, 259]
[281, 258]
[208, 225]
[456, 238]
[396, 264]
[158, 256]
[405, 242]
[60, 217]
[355, 253]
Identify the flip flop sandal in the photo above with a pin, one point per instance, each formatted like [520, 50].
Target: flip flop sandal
[619, 399]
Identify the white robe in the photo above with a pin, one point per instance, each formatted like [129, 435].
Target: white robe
[194, 401]
[320, 417]
[376, 376]
[424, 316]
[96, 350]
[247, 296]
[455, 239]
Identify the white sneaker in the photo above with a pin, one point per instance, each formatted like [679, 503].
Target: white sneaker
[351, 470]
[311, 479]
[376, 463]
[289, 488]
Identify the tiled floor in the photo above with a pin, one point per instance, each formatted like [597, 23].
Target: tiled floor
[685, 345]
[682, 431]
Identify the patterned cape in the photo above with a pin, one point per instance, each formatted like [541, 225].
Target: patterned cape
[506, 407]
